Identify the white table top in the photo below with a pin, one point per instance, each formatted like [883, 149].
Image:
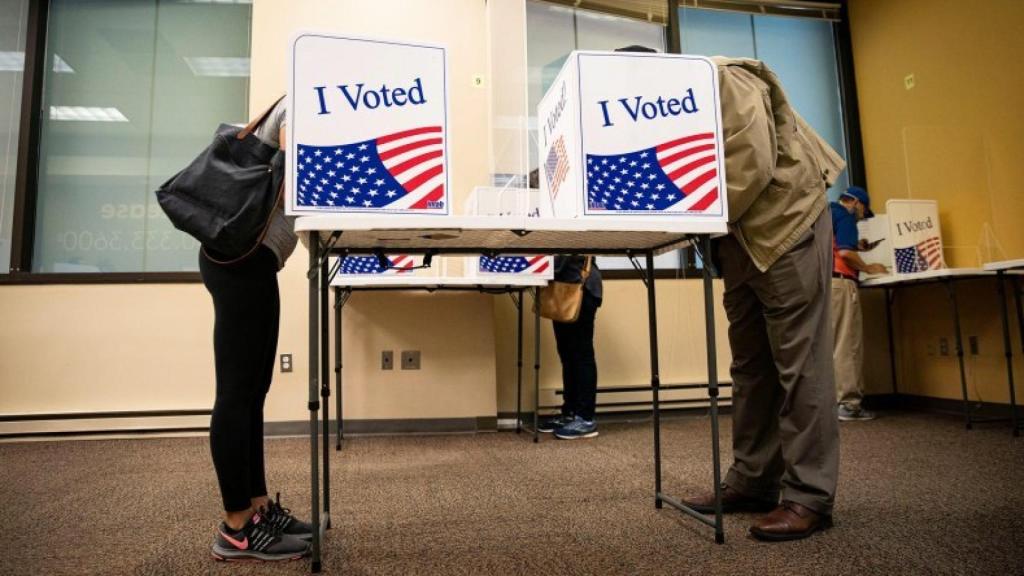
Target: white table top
[414, 282]
[1005, 265]
[922, 277]
[499, 233]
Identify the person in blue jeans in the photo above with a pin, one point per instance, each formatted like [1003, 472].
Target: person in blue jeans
[575, 343]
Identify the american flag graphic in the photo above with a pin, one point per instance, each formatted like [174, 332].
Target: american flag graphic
[678, 176]
[400, 171]
[924, 256]
[557, 166]
[397, 264]
[514, 264]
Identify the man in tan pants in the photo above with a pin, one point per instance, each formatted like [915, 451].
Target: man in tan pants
[777, 264]
[847, 326]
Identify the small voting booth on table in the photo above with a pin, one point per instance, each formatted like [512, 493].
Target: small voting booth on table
[403, 272]
[909, 244]
[630, 159]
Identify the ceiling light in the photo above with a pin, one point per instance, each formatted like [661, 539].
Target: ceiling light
[86, 114]
[12, 61]
[218, 66]
[59, 65]
[15, 62]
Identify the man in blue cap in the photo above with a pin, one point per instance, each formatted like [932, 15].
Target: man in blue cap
[847, 329]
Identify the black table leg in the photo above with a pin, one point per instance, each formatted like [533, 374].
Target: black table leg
[325, 384]
[314, 404]
[661, 498]
[519, 361]
[890, 295]
[709, 326]
[652, 341]
[951, 291]
[536, 363]
[339, 303]
[1020, 327]
[1007, 348]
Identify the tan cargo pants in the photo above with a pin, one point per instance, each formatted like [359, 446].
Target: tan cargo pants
[785, 428]
[848, 336]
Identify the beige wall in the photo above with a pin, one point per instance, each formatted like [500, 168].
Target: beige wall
[956, 138]
[147, 347]
[112, 348]
[621, 343]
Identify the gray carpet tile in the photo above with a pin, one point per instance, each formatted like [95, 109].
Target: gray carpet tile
[918, 495]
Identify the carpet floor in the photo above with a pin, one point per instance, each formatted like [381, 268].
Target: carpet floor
[917, 495]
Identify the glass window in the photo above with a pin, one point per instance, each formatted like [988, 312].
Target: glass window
[13, 23]
[141, 87]
[715, 33]
[801, 51]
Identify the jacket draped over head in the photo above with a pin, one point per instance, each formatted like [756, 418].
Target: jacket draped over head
[777, 167]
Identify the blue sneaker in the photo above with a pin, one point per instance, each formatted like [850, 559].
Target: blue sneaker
[578, 428]
[552, 423]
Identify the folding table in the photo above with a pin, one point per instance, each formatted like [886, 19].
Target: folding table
[491, 235]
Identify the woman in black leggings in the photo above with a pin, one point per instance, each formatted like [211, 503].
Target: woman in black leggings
[575, 343]
[247, 310]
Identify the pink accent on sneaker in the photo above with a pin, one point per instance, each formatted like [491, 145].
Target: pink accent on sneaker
[243, 545]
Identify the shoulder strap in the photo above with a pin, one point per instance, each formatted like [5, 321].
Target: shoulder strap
[586, 268]
[258, 120]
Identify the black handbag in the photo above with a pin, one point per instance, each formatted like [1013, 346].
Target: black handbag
[226, 196]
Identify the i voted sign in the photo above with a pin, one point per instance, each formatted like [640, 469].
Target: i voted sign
[915, 235]
[367, 126]
[633, 135]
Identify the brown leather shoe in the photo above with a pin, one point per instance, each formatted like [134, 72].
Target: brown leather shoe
[732, 501]
[790, 521]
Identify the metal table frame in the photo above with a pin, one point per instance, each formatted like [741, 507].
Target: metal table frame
[516, 293]
[1013, 269]
[319, 379]
[948, 279]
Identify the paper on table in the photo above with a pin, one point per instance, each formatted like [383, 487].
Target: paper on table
[876, 230]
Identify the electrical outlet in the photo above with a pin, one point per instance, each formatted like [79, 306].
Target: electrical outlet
[387, 359]
[943, 347]
[909, 82]
[972, 344]
[410, 359]
[286, 362]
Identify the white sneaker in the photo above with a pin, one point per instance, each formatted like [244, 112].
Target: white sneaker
[860, 414]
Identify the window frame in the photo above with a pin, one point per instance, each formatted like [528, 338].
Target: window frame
[27, 179]
[26, 189]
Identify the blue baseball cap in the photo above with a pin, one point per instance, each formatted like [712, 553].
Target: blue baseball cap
[860, 194]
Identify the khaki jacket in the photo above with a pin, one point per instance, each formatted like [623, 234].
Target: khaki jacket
[777, 168]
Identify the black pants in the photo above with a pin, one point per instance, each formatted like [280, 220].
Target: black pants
[575, 344]
[247, 310]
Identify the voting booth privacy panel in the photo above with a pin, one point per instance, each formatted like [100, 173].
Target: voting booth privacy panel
[908, 237]
[915, 236]
[369, 122]
[632, 135]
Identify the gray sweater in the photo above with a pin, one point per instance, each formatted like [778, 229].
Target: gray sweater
[280, 236]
